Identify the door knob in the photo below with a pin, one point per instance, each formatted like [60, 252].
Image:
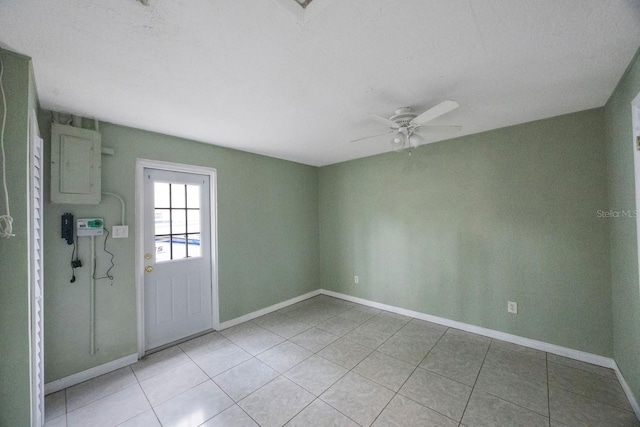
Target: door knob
[147, 256]
[148, 269]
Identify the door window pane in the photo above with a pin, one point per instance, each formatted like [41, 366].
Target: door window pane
[193, 196]
[163, 248]
[177, 221]
[161, 194]
[178, 196]
[194, 245]
[162, 217]
[193, 220]
[179, 246]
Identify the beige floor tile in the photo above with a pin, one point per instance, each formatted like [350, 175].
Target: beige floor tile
[436, 392]
[314, 339]
[485, 410]
[345, 353]
[358, 398]
[276, 403]
[576, 410]
[194, 406]
[247, 377]
[384, 370]
[316, 374]
[403, 412]
[319, 414]
[232, 417]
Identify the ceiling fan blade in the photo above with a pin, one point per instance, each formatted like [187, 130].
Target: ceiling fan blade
[388, 122]
[371, 137]
[437, 128]
[434, 112]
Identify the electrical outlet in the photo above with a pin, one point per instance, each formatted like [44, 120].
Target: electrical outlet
[120, 231]
[512, 307]
[356, 279]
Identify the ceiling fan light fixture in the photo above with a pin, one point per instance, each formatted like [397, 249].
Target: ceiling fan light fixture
[398, 141]
[415, 140]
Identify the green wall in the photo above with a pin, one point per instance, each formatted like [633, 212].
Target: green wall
[624, 249]
[460, 227]
[14, 268]
[267, 242]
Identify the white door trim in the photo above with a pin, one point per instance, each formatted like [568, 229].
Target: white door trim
[635, 112]
[141, 164]
[35, 246]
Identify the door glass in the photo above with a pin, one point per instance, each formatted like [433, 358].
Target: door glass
[177, 221]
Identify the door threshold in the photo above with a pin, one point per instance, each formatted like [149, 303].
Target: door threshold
[176, 342]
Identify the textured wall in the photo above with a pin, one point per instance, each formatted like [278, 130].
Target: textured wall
[267, 242]
[624, 248]
[14, 267]
[460, 227]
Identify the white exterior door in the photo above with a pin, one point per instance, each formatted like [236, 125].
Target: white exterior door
[177, 256]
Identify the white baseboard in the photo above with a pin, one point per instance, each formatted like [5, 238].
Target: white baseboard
[627, 390]
[83, 376]
[91, 373]
[594, 359]
[582, 356]
[267, 310]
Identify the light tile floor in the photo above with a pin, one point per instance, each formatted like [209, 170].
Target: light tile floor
[329, 362]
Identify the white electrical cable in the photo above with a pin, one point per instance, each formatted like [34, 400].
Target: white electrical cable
[121, 202]
[92, 296]
[6, 221]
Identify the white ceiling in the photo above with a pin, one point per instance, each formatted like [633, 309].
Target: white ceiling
[271, 78]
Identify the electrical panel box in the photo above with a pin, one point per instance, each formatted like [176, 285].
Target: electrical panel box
[76, 168]
[89, 227]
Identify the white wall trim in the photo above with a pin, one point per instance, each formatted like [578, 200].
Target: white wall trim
[627, 390]
[583, 356]
[141, 164]
[527, 342]
[83, 376]
[267, 310]
[91, 373]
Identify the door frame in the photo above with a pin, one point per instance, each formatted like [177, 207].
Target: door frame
[141, 164]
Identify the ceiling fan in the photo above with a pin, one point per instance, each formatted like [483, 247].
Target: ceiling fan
[407, 127]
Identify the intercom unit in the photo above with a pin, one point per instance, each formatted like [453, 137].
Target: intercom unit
[66, 231]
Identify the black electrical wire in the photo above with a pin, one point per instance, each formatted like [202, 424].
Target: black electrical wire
[73, 269]
[107, 275]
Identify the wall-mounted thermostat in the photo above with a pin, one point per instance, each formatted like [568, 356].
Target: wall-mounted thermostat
[89, 227]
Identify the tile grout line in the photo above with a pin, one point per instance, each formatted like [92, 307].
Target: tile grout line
[66, 405]
[505, 399]
[316, 354]
[209, 379]
[147, 397]
[216, 384]
[348, 370]
[466, 406]
[280, 374]
[316, 324]
[412, 372]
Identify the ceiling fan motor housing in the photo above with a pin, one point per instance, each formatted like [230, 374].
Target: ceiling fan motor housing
[403, 117]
